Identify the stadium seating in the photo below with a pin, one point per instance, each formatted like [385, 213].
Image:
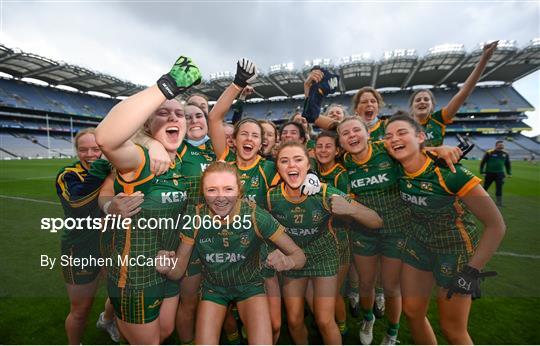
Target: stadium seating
[486, 103]
[28, 96]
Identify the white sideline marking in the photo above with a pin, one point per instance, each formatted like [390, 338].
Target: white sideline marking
[30, 200]
[512, 254]
[32, 178]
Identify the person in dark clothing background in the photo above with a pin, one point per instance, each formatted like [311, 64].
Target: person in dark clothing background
[493, 165]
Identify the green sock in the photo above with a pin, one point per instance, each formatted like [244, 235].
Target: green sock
[392, 329]
[189, 342]
[368, 315]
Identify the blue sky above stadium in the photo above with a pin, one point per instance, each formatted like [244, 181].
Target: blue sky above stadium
[138, 41]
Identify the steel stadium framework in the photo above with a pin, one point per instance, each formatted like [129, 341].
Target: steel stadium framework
[28, 112]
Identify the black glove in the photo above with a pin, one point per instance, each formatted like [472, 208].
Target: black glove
[465, 147]
[183, 75]
[245, 72]
[467, 281]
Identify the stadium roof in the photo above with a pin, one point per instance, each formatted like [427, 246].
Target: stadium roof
[26, 65]
[401, 68]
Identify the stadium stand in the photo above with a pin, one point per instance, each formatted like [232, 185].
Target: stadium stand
[495, 110]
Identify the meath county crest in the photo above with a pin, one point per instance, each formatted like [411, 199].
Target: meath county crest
[207, 157]
[317, 216]
[446, 269]
[255, 182]
[409, 184]
[244, 239]
[426, 186]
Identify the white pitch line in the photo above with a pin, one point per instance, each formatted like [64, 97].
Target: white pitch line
[513, 254]
[29, 199]
[32, 178]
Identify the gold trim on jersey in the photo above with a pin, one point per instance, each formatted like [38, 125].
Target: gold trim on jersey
[368, 157]
[278, 233]
[288, 198]
[442, 182]
[376, 126]
[461, 227]
[325, 173]
[224, 154]
[65, 191]
[469, 186]
[421, 170]
[247, 168]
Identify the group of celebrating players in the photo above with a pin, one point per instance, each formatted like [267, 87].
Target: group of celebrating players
[274, 217]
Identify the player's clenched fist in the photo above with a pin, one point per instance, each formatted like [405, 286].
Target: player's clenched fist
[279, 261]
[341, 206]
[183, 75]
[164, 261]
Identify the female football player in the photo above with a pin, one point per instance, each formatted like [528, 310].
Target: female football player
[228, 232]
[444, 246]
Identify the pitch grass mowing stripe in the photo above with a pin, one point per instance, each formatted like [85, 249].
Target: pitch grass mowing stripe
[29, 199]
[512, 254]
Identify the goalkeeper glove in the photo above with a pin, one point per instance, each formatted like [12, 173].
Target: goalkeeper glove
[183, 75]
[245, 73]
[311, 185]
[465, 147]
[467, 281]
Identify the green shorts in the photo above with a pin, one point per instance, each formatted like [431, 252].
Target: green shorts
[344, 247]
[136, 305]
[227, 295]
[194, 266]
[371, 243]
[322, 258]
[172, 288]
[76, 275]
[443, 266]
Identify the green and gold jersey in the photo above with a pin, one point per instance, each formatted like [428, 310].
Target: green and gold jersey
[435, 128]
[256, 179]
[337, 177]
[376, 133]
[439, 218]
[229, 247]
[154, 228]
[78, 190]
[195, 159]
[306, 218]
[374, 183]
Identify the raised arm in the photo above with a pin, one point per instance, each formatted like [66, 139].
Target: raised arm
[245, 73]
[124, 120]
[457, 101]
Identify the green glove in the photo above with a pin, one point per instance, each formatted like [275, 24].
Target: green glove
[183, 75]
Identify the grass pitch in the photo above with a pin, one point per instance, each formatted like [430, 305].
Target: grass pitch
[33, 302]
